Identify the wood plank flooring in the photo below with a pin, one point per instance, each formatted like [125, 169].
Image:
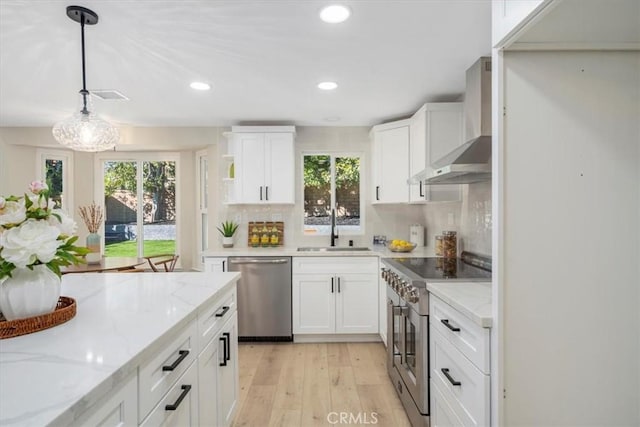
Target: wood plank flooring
[285, 384]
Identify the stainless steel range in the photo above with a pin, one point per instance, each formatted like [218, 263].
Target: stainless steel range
[408, 321]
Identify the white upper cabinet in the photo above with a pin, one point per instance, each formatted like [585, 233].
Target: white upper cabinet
[435, 130]
[390, 169]
[507, 15]
[264, 164]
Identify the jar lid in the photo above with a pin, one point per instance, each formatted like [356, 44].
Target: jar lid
[449, 233]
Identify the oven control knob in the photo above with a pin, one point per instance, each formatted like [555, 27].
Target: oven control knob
[413, 296]
[383, 273]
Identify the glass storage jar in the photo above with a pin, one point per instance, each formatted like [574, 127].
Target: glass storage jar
[449, 244]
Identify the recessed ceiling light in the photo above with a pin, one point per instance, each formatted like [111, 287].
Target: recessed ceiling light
[335, 14]
[200, 86]
[327, 85]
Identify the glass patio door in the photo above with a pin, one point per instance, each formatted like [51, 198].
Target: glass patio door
[140, 207]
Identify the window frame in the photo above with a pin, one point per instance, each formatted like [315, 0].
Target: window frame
[333, 154]
[66, 157]
[202, 188]
[135, 156]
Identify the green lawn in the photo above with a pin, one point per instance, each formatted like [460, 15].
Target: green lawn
[130, 248]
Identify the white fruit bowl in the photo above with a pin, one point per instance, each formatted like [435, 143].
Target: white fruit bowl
[394, 248]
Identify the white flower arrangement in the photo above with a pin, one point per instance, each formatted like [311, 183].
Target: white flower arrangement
[32, 232]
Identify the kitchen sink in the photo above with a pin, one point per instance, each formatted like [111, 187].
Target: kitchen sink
[332, 249]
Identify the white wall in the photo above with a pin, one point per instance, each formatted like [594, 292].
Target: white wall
[571, 238]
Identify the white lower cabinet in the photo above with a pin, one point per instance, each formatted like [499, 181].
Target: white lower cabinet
[119, 410]
[208, 385]
[460, 380]
[215, 264]
[179, 407]
[227, 375]
[334, 295]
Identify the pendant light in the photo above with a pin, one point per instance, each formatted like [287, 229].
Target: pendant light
[84, 130]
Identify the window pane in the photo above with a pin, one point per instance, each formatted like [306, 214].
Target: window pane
[348, 192]
[54, 173]
[204, 180]
[159, 209]
[121, 207]
[317, 193]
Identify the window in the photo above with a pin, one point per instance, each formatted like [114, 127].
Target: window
[332, 181]
[202, 178]
[140, 202]
[55, 168]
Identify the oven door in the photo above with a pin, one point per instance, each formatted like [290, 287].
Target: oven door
[394, 335]
[413, 360]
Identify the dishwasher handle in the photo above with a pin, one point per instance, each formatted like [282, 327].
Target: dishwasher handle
[258, 261]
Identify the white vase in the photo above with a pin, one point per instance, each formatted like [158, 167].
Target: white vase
[29, 292]
[227, 242]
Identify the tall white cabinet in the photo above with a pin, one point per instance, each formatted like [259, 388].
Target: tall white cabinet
[567, 151]
[263, 163]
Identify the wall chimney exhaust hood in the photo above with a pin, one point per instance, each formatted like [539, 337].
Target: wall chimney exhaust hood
[470, 162]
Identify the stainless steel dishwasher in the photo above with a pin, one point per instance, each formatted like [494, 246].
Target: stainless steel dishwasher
[264, 298]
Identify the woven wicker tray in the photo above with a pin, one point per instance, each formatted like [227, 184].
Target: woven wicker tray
[65, 310]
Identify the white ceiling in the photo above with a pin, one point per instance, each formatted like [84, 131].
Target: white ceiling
[263, 59]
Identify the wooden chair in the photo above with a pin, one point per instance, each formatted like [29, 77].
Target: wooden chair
[168, 261]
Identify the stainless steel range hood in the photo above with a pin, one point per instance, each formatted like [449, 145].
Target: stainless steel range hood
[470, 162]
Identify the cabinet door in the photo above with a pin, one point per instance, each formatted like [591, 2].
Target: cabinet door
[417, 152]
[445, 123]
[313, 304]
[120, 410]
[279, 168]
[249, 155]
[215, 264]
[227, 391]
[208, 385]
[357, 303]
[391, 171]
[179, 407]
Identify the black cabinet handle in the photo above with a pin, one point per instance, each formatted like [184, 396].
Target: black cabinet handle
[224, 353]
[261, 192]
[332, 280]
[183, 354]
[377, 192]
[338, 284]
[445, 371]
[227, 348]
[224, 266]
[421, 192]
[266, 192]
[446, 323]
[185, 390]
[223, 312]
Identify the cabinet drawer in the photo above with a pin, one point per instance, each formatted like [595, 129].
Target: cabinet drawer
[442, 414]
[335, 265]
[157, 375]
[179, 407]
[211, 318]
[463, 385]
[471, 339]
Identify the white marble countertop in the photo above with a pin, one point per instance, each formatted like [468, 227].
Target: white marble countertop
[52, 376]
[375, 250]
[472, 299]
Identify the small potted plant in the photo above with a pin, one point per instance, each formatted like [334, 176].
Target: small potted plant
[227, 231]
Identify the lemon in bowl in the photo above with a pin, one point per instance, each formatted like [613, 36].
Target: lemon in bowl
[397, 245]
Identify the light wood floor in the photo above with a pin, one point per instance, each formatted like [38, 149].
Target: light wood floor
[287, 384]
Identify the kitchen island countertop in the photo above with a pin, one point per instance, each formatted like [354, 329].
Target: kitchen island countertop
[53, 376]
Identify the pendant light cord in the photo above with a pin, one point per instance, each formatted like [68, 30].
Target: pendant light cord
[84, 91]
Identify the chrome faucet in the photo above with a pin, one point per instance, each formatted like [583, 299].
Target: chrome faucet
[334, 234]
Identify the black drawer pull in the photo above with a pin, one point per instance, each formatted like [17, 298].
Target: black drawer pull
[446, 323]
[183, 354]
[223, 312]
[185, 390]
[224, 340]
[445, 371]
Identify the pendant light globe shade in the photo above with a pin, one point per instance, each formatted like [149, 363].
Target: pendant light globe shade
[85, 130]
